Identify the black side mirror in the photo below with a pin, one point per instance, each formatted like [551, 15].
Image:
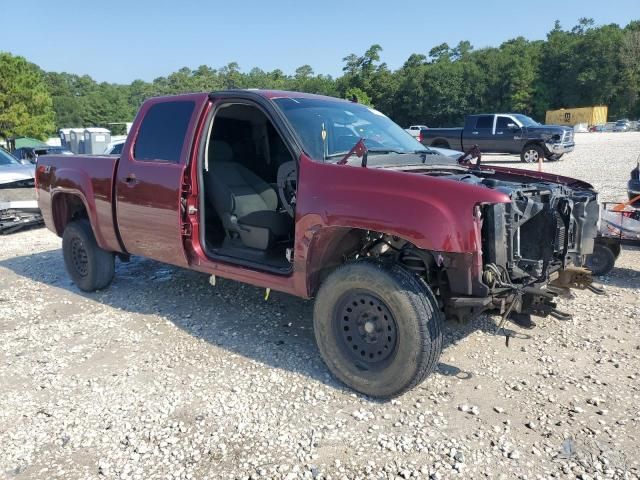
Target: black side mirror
[513, 127]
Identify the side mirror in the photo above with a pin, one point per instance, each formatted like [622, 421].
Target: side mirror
[513, 126]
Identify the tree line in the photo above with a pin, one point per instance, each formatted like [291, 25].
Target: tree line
[582, 66]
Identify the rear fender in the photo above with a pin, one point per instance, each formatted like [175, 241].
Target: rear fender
[95, 195]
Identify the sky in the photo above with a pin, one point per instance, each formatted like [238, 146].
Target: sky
[120, 41]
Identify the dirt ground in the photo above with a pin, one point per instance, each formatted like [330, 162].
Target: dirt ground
[164, 376]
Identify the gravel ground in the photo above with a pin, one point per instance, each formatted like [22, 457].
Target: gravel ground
[164, 376]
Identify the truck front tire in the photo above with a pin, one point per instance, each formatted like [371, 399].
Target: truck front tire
[378, 328]
[532, 153]
[89, 266]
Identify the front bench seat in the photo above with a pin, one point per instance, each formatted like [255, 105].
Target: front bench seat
[246, 204]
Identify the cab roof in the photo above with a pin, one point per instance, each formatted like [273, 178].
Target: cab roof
[275, 94]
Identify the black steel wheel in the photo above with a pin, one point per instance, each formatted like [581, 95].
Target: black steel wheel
[89, 266]
[378, 328]
[366, 329]
[79, 257]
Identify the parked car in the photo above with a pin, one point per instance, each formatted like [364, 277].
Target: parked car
[114, 148]
[280, 190]
[13, 173]
[415, 130]
[29, 155]
[505, 133]
[622, 126]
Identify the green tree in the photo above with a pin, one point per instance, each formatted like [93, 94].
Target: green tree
[26, 107]
[583, 65]
[357, 95]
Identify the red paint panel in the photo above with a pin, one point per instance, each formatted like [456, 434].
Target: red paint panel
[90, 179]
[148, 193]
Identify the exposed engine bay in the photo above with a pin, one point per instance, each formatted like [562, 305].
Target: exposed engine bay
[547, 226]
[533, 248]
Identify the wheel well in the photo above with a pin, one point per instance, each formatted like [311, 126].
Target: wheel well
[533, 142]
[65, 208]
[337, 245]
[440, 143]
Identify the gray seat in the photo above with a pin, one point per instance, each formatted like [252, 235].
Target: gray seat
[245, 203]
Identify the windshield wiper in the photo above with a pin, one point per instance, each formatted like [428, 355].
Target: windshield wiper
[383, 151]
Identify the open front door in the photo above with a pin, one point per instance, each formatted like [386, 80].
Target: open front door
[149, 180]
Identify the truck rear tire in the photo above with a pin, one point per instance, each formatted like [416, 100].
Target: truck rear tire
[532, 153]
[378, 328]
[602, 260]
[89, 266]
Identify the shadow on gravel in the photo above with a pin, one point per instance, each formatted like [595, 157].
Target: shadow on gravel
[621, 277]
[231, 315]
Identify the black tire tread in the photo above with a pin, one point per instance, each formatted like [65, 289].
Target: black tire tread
[104, 261]
[422, 301]
[607, 255]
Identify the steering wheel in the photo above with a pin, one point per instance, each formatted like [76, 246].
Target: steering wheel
[287, 186]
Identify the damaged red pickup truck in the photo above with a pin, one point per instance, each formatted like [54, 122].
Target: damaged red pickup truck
[321, 197]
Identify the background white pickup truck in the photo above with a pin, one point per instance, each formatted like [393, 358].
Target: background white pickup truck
[414, 130]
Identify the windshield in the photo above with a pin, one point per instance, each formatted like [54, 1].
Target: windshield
[329, 129]
[526, 121]
[7, 159]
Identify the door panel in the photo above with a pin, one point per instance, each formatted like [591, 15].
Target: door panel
[148, 210]
[480, 134]
[150, 175]
[504, 138]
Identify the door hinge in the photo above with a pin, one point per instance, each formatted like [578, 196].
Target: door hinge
[186, 229]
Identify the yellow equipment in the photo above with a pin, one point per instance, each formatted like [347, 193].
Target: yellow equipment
[572, 116]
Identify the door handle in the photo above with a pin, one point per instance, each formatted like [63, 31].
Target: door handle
[131, 179]
[474, 133]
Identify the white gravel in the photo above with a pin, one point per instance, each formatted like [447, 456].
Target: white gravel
[164, 376]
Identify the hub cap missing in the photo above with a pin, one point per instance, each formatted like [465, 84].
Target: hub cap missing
[79, 257]
[365, 329]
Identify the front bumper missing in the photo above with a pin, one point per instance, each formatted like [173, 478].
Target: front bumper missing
[532, 300]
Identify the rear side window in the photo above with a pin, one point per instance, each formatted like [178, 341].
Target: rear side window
[485, 121]
[162, 132]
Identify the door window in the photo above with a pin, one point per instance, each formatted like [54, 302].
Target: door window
[484, 122]
[503, 123]
[162, 132]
